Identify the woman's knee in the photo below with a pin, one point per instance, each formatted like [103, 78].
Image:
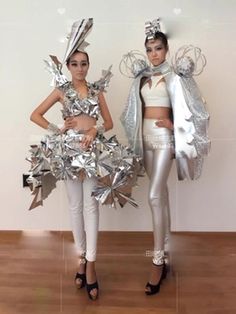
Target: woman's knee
[76, 207]
[154, 200]
[91, 206]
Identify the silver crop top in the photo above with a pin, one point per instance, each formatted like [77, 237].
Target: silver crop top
[74, 105]
[156, 95]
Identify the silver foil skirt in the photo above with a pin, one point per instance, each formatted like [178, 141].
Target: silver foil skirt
[62, 157]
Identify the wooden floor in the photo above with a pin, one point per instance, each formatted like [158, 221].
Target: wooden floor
[37, 270]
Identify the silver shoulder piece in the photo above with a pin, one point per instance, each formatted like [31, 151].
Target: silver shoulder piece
[54, 67]
[188, 61]
[104, 81]
[133, 64]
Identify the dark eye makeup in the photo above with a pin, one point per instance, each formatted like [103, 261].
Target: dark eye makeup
[75, 64]
[158, 48]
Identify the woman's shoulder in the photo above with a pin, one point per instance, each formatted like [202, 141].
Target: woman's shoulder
[61, 91]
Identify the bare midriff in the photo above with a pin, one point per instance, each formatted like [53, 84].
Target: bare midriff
[84, 122]
[157, 113]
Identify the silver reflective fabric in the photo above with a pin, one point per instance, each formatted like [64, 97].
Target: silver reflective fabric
[189, 116]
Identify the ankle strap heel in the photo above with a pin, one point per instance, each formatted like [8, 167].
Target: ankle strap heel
[153, 289]
[80, 279]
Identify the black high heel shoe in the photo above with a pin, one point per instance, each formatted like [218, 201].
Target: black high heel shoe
[164, 271]
[90, 287]
[153, 289]
[82, 277]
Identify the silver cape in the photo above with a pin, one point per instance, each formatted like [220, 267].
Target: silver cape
[190, 120]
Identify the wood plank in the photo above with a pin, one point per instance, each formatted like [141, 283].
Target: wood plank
[37, 272]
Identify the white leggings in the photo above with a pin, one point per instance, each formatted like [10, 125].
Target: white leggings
[158, 154]
[84, 216]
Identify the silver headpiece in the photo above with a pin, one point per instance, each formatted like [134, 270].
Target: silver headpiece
[152, 27]
[79, 31]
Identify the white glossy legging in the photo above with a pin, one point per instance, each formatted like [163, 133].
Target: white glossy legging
[158, 156]
[84, 216]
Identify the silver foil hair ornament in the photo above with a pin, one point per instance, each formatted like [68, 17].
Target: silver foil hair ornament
[79, 31]
[152, 27]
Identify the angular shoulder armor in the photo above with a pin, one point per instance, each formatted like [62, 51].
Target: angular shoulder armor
[103, 82]
[54, 67]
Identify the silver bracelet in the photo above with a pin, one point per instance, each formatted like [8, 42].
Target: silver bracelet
[54, 128]
[158, 257]
[100, 128]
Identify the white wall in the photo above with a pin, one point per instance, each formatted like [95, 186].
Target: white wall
[31, 30]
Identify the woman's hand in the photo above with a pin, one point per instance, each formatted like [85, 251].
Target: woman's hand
[70, 123]
[164, 123]
[88, 138]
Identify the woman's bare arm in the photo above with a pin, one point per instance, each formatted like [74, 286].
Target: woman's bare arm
[37, 116]
[108, 123]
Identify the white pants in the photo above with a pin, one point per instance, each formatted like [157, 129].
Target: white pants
[158, 156]
[84, 216]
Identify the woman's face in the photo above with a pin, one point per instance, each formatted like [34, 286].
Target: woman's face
[156, 51]
[78, 66]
